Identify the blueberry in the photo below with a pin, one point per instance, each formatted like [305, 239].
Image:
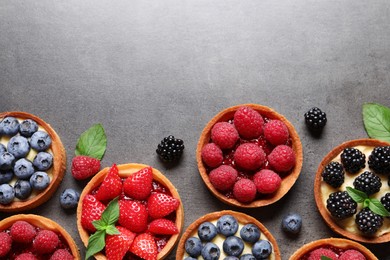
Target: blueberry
[7, 194]
[22, 189]
[207, 231]
[6, 161]
[189, 258]
[233, 246]
[69, 199]
[28, 127]
[9, 126]
[43, 161]
[2, 148]
[40, 141]
[231, 258]
[227, 225]
[250, 233]
[247, 257]
[23, 169]
[211, 251]
[6, 176]
[292, 223]
[39, 180]
[262, 249]
[18, 146]
[193, 246]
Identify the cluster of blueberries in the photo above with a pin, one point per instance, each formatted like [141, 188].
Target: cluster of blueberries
[29, 175]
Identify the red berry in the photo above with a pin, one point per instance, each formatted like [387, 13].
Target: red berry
[267, 181]
[133, 216]
[223, 177]
[163, 226]
[352, 254]
[26, 256]
[161, 205]
[111, 186]
[139, 185]
[316, 254]
[84, 167]
[118, 245]
[224, 135]
[249, 156]
[61, 254]
[45, 242]
[22, 232]
[282, 158]
[276, 132]
[92, 210]
[248, 122]
[5, 244]
[244, 190]
[144, 247]
[212, 155]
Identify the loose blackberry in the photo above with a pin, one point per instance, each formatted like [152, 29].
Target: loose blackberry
[170, 149]
[315, 118]
[353, 160]
[368, 222]
[333, 174]
[341, 205]
[385, 200]
[379, 160]
[368, 182]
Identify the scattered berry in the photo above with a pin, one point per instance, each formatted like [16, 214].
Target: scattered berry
[250, 233]
[379, 160]
[22, 189]
[69, 199]
[139, 185]
[276, 132]
[6, 161]
[118, 245]
[317, 253]
[224, 135]
[233, 246]
[352, 254]
[249, 156]
[292, 223]
[111, 186]
[333, 174]
[7, 194]
[267, 181]
[133, 216]
[92, 210]
[282, 158]
[18, 146]
[368, 222]
[248, 122]
[45, 242]
[163, 227]
[353, 160]
[28, 127]
[6, 176]
[22, 232]
[84, 167]
[26, 256]
[207, 231]
[170, 149]
[368, 182]
[212, 155]
[61, 254]
[5, 244]
[9, 126]
[223, 177]
[341, 205]
[39, 180]
[244, 190]
[144, 246]
[193, 246]
[227, 225]
[262, 249]
[43, 161]
[40, 141]
[385, 200]
[161, 205]
[210, 251]
[315, 118]
[23, 169]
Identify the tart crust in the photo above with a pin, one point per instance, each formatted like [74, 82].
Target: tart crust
[241, 218]
[126, 170]
[287, 181]
[44, 223]
[58, 171]
[318, 196]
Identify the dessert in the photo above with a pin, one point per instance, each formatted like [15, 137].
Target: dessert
[240, 142]
[227, 233]
[32, 161]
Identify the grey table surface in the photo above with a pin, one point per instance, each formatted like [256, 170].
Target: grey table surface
[147, 69]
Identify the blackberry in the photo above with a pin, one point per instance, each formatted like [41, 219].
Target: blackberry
[341, 205]
[333, 174]
[353, 160]
[385, 200]
[379, 160]
[170, 149]
[368, 182]
[315, 118]
[368, 222]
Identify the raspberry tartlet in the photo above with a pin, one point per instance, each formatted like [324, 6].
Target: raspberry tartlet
[351, 187]
[227, 233]
[142, 220]
[238, 144]
[32, 163]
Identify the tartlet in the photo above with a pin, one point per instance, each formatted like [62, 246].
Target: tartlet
[288, 179]
[57, 169]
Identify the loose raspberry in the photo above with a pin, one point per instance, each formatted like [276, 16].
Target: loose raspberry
[61, 254]
[267, 181]
[276, 132]
[244, 190]
[84, 167]
[316, 254]
[22, 232]
[45, 242]
[212, 155]
[248, 122]
[249, 156]
[26, 256]
[223, 177]
[282, 158]
[352, 254]
[224, 135]
[5, 244]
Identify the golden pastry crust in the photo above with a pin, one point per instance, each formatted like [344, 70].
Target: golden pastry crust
[287, 181]
[59, 166]
[126, 170]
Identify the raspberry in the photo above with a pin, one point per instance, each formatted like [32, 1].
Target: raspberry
[333, 174]
[249, 156]
[244, 190]
[368, 182]
[276, 132]
[282, 158]
[61, 254]
[223, 177]
[26, 256]
[352, 254]
[224, 135]
[45, 242]
[316, 254]
[84, 167]
[212, 155]
[22, 232]
[248, 122]
[267, 181]
[5, 244]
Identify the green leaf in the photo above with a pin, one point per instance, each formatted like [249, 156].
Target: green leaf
[99, 224]
[111, 214]
[376, 119]
[92, 142]
[96, 243]
[112, 230]
[357, 195]
[325, 258]
[366, 203]
[377, 207]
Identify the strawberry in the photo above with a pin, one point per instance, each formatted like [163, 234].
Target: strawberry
[163, 226]
[118, 245]
[84, 167]
[5, 244]
[144, 246]
[139, 185]
[111, 186]
[133, 216]
[92, 210]
[46, 242]
[161, 205]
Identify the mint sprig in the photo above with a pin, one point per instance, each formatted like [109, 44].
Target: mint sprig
[373, 204]
[92, 142]
[376, 119]
[325, 258]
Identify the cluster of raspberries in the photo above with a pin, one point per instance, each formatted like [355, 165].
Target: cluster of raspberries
[240, 135]
[350, 254]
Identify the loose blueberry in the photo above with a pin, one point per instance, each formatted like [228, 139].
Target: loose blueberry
[9, 126]
[250, 233]
[6, 161]
[193, 246]
[6, 176]
[292, 223]
[43, 161]
[39, 180]
[23, 169]
[18, 146]
[211, 251]
[227, 225]
[207, 231]
[7, 194]
[247, 257]
[262, 249]
[69, 199]
[2, 148]
[233, 246]
[22, 189]
[28, 127]
[231, 258]
[40, 141]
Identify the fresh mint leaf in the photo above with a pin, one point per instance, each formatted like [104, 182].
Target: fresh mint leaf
[376, 119]
[357, 195]
[112, 230]
[96, 243]
[366, 203]
[377, 207]
[111, 214]
[325, 258]
[92, 142]
[99, 224]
